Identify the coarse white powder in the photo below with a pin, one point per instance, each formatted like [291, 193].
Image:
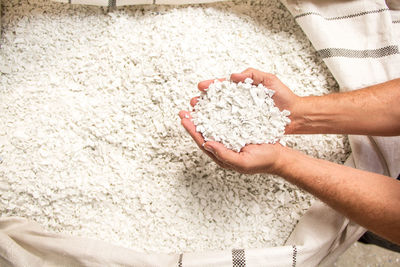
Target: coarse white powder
[90, 140]
[237, 114]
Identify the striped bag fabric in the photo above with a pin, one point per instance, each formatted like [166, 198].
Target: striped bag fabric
[114, 3]
[359, 42]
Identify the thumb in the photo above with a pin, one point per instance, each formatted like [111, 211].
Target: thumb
[222, 153]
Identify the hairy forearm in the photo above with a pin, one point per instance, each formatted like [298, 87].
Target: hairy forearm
[369, 199]
[370, 111]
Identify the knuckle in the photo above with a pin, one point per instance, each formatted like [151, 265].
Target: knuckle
[270, 79]
[271, 76]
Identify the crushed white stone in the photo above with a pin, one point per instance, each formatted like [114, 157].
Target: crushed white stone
[89, 134]
[237, 114]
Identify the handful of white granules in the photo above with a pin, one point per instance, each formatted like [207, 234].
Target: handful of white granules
[237, 114]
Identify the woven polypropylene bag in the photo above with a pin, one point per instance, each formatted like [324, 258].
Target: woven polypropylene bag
[322, 234]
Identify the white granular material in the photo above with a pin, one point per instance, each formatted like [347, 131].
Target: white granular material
[237, 114]
[90, 140]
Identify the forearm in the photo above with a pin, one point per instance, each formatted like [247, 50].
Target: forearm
[370, 111]
[369, 199]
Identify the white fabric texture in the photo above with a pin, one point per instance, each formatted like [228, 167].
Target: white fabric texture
[359, 43]
[112, 3]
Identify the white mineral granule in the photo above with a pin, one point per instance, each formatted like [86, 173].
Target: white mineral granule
[237, 114]
[89, 134]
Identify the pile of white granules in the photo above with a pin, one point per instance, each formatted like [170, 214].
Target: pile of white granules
[90, 139]
[237, 114]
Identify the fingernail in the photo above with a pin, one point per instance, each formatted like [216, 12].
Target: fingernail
[209, 149]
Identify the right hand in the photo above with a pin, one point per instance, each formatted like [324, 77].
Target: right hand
[284, 98]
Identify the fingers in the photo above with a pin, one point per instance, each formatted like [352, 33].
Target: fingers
[191, 128]
[194, 101]
[197, 137]
[205, 84]
[267, 79]
[240, 77]
[256, 75]
[202, 87]
[224, 154]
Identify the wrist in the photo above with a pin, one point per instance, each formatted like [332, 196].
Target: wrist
[283, 158]
[316, 115]
[298, 116]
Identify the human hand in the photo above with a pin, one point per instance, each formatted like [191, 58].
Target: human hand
[284, 98]
[252, 158]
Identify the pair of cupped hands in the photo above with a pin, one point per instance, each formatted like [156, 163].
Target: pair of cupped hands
[253, 158]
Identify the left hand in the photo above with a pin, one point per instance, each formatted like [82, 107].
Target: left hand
[251, 159]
